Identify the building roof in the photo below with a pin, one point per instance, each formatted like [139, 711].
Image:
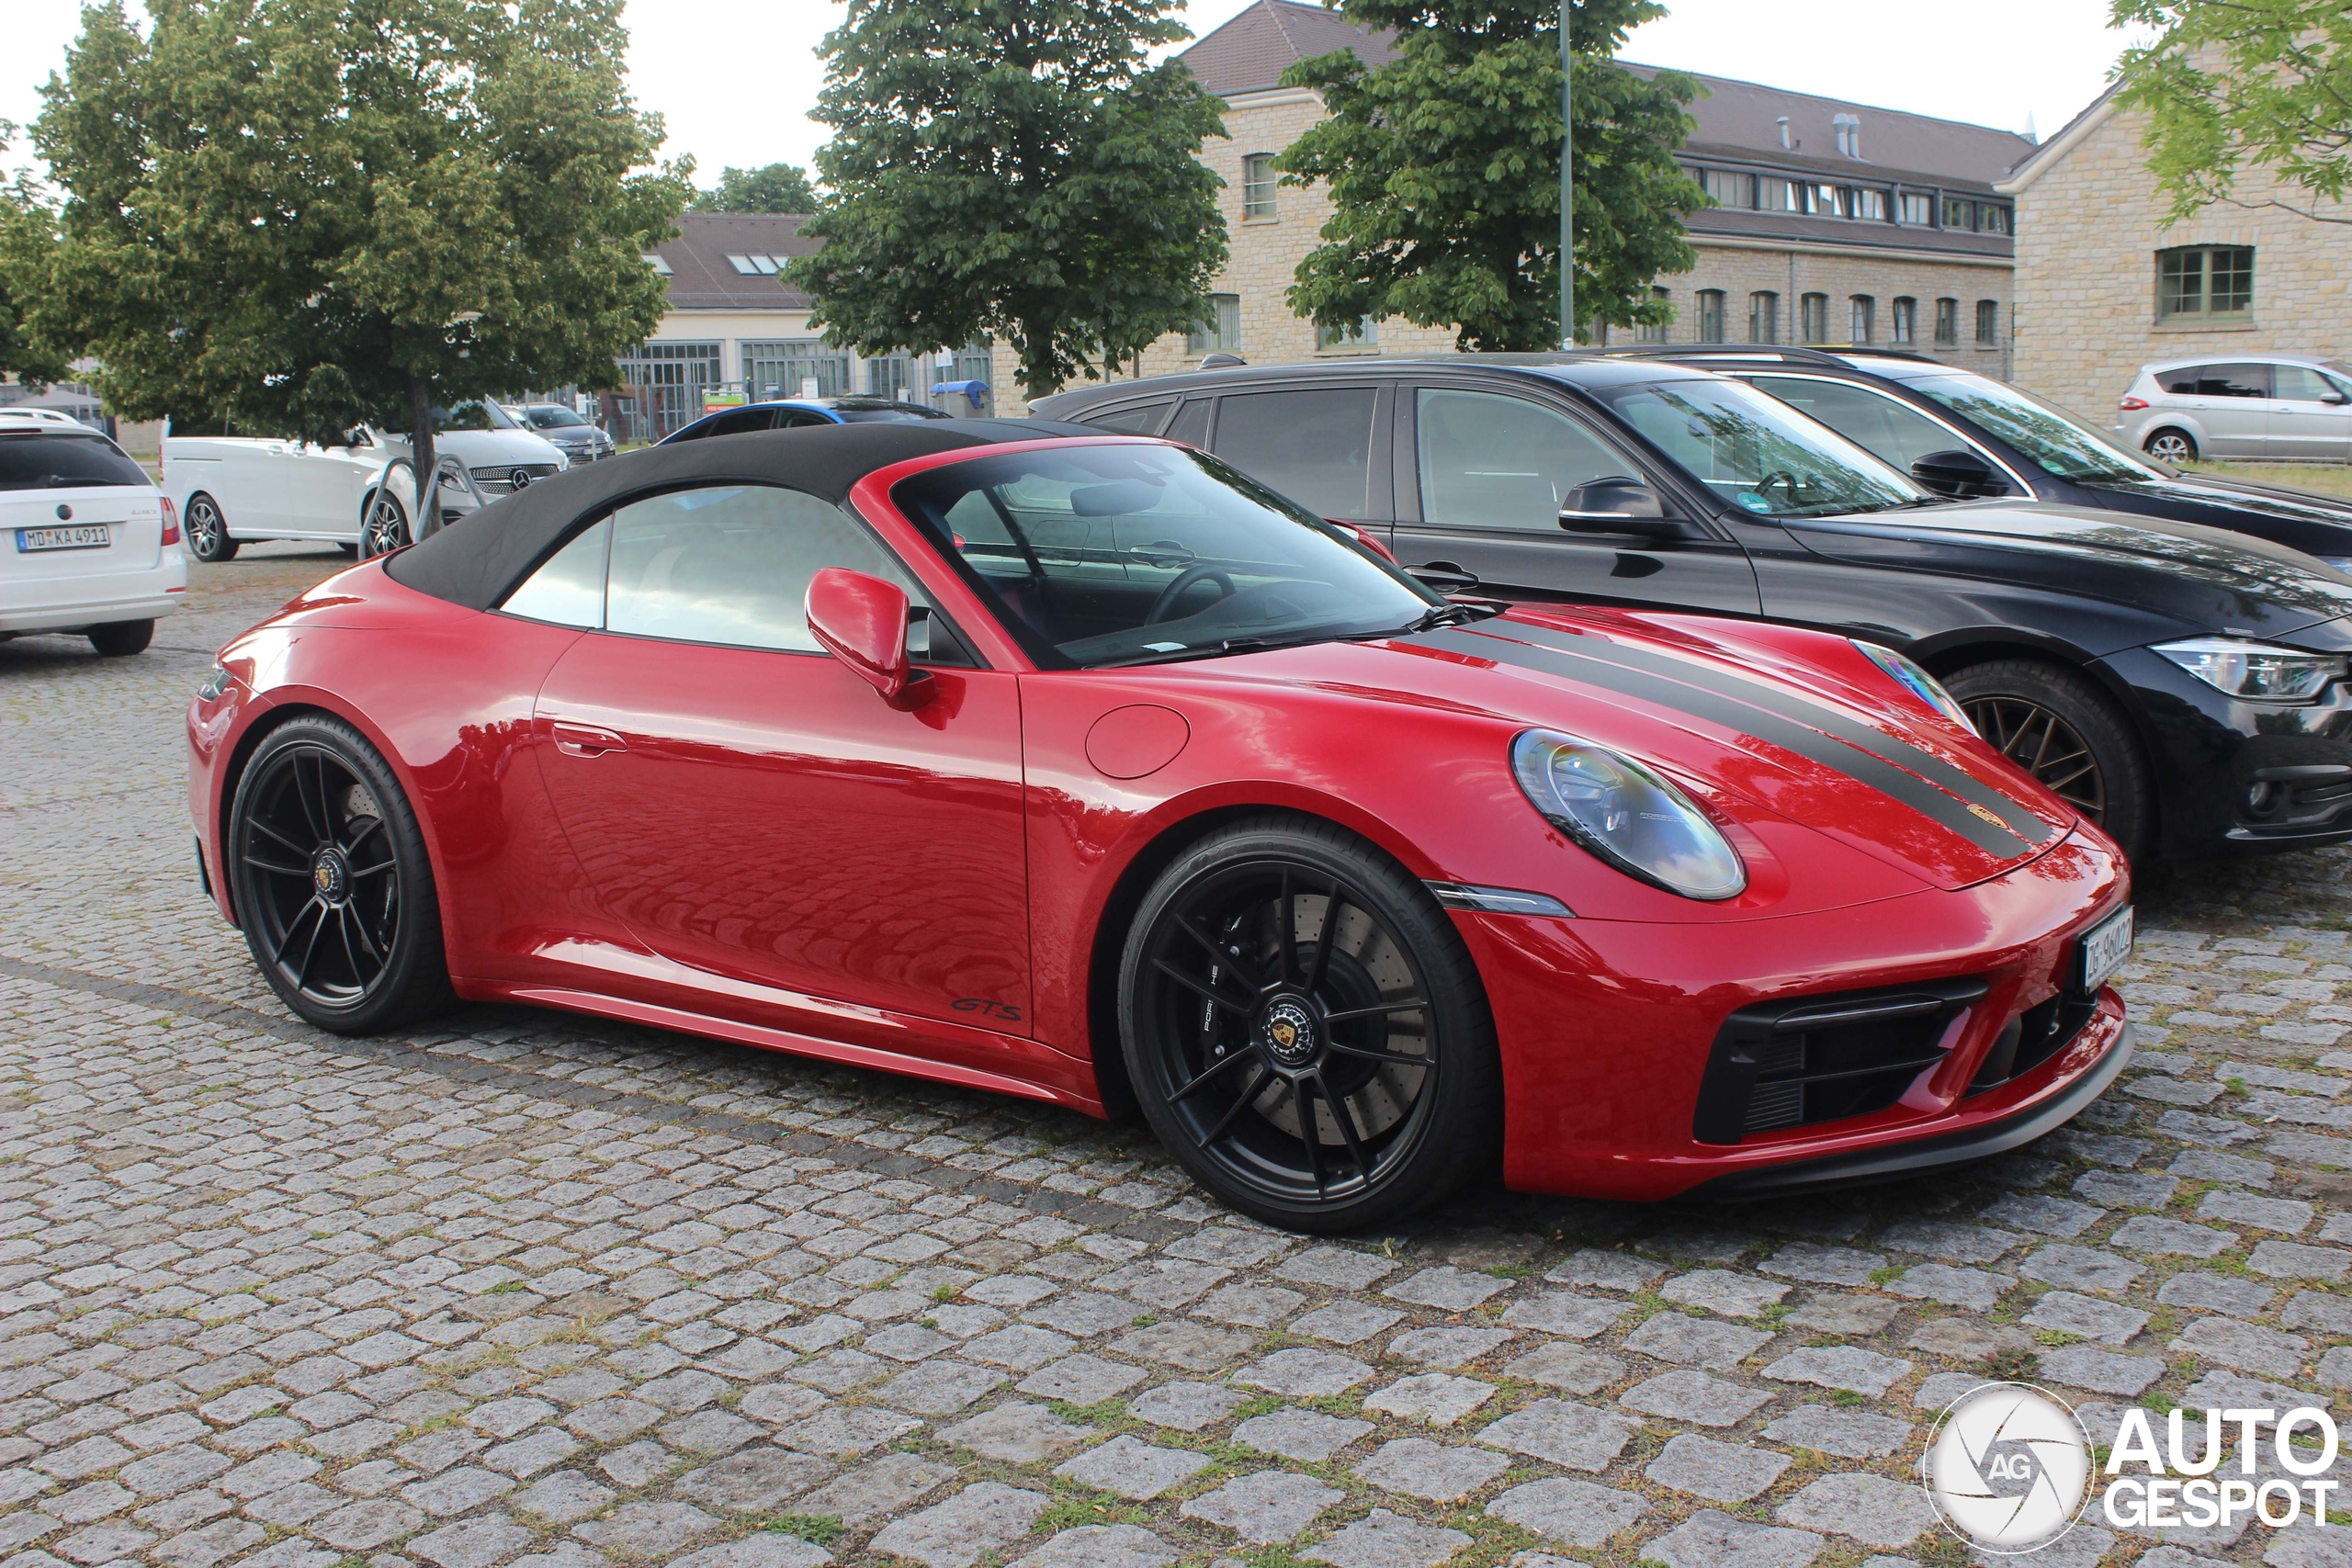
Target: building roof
[2072, 135]
[1737, 117]
[702, 278]
[1250, 53]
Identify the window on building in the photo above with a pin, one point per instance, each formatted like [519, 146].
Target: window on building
[1763, 317]
[1991, 218]
[889, 377]
[1862, 319]
[1780, 195]
[783, 369]
[1829, 201]
[1906, 319]
[1219, 332]
[1728, 189]
[653, 259]
[1711, 317]
[2210, 283]
[1870, 205]
[1918, 209]
[1362, 334]
[1258, 186]
[1661, 331]
[1816, 318]
[1988, 322]
[1958, 213]
[1947, 322]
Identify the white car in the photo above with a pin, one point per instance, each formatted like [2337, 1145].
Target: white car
[2281, 408]
[232, 488]
[87, 544]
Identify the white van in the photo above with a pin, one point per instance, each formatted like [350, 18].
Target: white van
[233, 488]
[87, 544]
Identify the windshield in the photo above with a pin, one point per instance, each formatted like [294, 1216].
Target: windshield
[1756, 452]
[2058, 442]
[548, 417]
[473, 416]
[1139, 555]
[64, 462]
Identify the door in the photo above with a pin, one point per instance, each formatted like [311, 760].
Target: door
[2304, 423]
[1492, 471]
[319, 488]
[2231, 402]
[747, 805]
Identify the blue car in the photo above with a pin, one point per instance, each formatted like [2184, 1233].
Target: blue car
[786, 413]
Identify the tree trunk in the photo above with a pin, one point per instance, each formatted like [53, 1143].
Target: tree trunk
[1038, 378]
[420, 447]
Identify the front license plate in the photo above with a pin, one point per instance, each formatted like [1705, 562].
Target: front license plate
[2105, 947]
[88, 536]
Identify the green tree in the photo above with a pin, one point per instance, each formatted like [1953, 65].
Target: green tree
[1443, 167]
[779, 187]
[315, 213]
[2230, 85]
[27, 234]
[1011, 168]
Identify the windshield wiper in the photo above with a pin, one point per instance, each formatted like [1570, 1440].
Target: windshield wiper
[1437, 616]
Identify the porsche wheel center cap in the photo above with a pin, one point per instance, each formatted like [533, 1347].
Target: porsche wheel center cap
[330, 875]
[1289, 1032]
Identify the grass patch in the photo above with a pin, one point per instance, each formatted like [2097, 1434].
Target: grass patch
[1070, 1513]
[2053, 1337]
[817, 1530]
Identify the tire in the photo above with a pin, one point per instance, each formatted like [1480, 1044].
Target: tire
[1208, 989]
[2063, 730]
[120, 640]
[333, 884]
[207, 531]
[2171, 444]
[383, 525]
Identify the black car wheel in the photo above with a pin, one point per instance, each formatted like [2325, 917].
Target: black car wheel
[208, 531]
[2172, 445]
[1305, 1029]
[2063, 731]
[119, 639]
[333, 884]
[385, 527]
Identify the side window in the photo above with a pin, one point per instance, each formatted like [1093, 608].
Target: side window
[1192, 423]
[569, 590]
[2297, 383]
[2233, 381]
[1312, 446]
[1491, 461]
[730, 564]
[1877, 423]
[2182, 381]
[1136, 419]
[799, 419]
[740, 421]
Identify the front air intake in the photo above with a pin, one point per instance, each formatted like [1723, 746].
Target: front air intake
[1794, 1063]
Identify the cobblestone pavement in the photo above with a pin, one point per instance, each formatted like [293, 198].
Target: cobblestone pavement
[531, 1289]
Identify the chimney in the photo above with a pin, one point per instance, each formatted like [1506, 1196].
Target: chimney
[1783, 123]
[1849, 134]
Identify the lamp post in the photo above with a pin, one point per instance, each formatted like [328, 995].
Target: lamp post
[1567, 195]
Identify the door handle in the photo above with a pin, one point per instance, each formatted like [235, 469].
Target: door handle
[586, 741]
[1443, 574]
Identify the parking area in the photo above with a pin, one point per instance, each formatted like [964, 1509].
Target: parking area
[525, 1288]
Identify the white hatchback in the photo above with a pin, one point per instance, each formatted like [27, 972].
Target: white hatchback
[2277, 408]
[87, 544]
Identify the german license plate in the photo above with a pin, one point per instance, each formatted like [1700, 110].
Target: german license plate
[85, 536]
[2105, 947]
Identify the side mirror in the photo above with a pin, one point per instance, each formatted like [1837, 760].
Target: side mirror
[1963, 476]
[862, 621]
[1618, 506]
[2337, 398]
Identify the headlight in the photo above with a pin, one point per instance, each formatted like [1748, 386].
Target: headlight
[1921, 685]
[2254, 669]
[1625, 814]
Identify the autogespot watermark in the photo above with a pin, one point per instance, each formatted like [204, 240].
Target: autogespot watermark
[2009, 1468]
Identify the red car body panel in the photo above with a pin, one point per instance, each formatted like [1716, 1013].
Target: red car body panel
[754, 845]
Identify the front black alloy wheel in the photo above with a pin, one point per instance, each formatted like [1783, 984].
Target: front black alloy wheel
[1305, 1030]
[208, 531]
[332, 886]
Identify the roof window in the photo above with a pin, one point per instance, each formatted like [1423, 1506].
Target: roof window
[653, 259]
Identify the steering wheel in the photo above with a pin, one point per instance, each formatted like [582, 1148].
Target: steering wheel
[1781, 477]
[1184, 583]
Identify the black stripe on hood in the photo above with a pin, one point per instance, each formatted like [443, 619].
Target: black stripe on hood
[1798, 736]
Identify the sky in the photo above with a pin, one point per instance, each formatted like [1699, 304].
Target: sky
[733, 79]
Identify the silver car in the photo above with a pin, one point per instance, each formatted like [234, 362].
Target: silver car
[2292, 408]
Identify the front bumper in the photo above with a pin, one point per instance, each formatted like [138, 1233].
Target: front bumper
[1609, 1029]
[75, 603]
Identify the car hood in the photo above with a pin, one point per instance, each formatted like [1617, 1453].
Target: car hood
[2274, 500]
[2210, 578]
[1797, 725]
[494, 448]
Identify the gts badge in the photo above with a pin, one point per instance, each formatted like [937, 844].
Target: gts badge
[987, 1008]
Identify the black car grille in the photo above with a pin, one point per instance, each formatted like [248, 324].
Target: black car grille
[499, 478]
[2032, 1038]
[1824, 1058]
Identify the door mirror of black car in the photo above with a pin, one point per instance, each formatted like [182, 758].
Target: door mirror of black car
[1618, 506]
[1963, 476]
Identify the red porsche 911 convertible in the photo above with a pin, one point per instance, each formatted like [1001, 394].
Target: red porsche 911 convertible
[1084, 768]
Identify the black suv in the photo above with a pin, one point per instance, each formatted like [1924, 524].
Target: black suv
[2183, 687]
[1964, 434]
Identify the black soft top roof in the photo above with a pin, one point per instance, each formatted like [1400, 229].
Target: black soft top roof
[477, 562]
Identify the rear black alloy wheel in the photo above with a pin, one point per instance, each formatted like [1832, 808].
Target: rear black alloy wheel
[2172, 445]
[1304, 1030]
[208, 531]
[385, 528]
[2057, 726]
[331, 882]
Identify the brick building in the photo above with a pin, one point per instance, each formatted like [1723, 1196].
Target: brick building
[1838, 222]
[2103, 288]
